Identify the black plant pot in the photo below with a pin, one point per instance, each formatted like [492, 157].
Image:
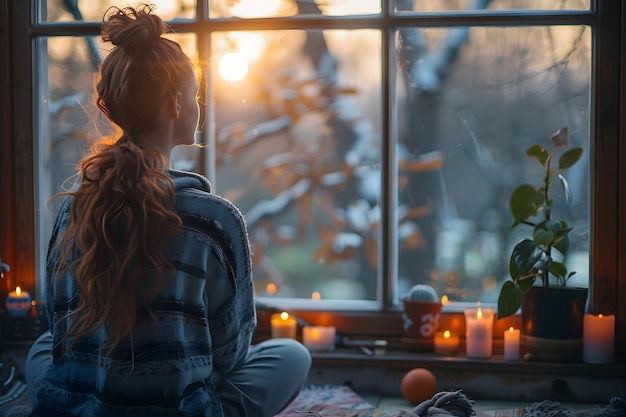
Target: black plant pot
[552, 322]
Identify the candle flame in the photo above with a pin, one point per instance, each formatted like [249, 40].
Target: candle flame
[599, 315]
[18, 290]
[446, 334]
[316, 295]
[271, 288]
[511, 329]
[444, 299]
[479, 313]
[284, 315]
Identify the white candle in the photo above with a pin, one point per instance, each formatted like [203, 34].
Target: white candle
[319, 337]
[18, 303]
[446, 343]
[511, 344]
[478, 332]
[598, 338]
[283, 325]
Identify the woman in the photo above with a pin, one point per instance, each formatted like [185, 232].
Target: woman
[150, 298]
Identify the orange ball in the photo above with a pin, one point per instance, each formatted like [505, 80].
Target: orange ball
[418, 385]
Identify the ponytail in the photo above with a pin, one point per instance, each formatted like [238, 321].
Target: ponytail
[120, 218]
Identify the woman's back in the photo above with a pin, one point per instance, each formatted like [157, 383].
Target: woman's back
[201, 321]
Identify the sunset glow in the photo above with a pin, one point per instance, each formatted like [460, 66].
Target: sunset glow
[233, 66]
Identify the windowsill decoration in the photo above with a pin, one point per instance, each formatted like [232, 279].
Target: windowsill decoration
[552, 314]
[421, 317]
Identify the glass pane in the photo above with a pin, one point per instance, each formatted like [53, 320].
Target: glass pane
[470, 102]
[68, 119]
[94, 10]
[246, 9]
[298, 151]
[465, 5]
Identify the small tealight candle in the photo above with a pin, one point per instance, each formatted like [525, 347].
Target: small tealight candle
[478, 332]
[446, 343]
[319, 337]
[283, 325]
[598, 338]
[18, 303]
[511, 344]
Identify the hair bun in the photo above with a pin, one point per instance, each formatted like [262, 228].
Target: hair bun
[132, 28]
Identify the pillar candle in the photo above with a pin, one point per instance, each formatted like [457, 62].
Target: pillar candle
[511, 344]
[319, 337]
[478, 332]
[18, 303]
[598, 338]
[446, 343]
[283, 325]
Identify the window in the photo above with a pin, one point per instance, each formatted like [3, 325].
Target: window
[371, 145]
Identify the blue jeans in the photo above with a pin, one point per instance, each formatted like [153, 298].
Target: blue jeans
[271, 377]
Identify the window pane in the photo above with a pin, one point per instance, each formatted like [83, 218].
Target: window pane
[470, 102]
[94, 10]
[298, 151]
[464, 5]
[246, 9]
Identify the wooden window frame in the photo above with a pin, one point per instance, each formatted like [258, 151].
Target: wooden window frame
[18, 131]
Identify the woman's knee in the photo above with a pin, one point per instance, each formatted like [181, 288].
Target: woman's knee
[293, 353]
[300, 353]
[38, 361]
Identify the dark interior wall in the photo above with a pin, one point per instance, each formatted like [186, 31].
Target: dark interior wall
[17, 217]
[6, 149]
[621, 273]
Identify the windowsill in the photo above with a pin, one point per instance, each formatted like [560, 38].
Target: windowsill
[486, 379]
[398, 358]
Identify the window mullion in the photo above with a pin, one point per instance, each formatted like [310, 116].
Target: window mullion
[389, 174]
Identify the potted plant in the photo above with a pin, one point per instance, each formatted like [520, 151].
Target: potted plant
[421, 316]
[552, 313]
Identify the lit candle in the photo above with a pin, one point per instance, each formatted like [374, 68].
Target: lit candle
[478, 332]
[598, 338]
[511, 344]
[446, 343]
[283, 325]
[319, 337]
[18, 303]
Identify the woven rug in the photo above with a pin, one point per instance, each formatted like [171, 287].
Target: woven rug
[330, 401]
[615, 408]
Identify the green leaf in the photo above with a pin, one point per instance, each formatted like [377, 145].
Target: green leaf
[552, 226]
[558, 269]
[524, 203]
[510, 299]
[523, 257]
[569, 158]
[543, 237]
[562, 244]
[538, 153]
[526, 284]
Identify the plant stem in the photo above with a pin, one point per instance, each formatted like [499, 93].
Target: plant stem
[546, 217]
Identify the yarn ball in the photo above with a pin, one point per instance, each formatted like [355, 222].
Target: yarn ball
[418, 385]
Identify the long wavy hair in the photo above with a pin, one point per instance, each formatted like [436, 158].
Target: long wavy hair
[121, 214]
